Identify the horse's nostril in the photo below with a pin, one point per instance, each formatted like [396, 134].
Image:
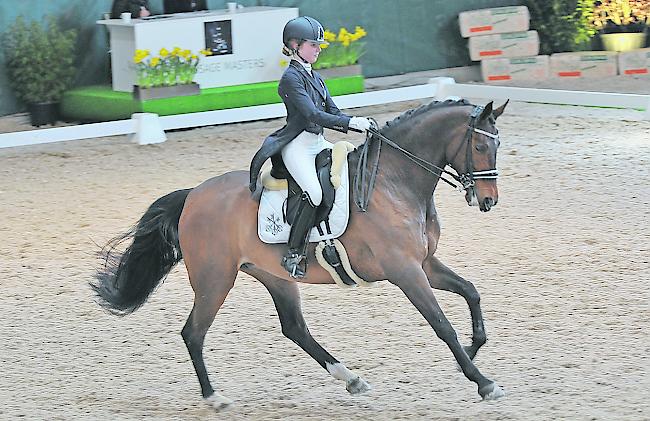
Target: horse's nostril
[488, 202]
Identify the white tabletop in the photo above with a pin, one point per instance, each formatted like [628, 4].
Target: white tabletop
[201, 14]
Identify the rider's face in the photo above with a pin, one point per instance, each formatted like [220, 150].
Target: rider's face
[309, 51]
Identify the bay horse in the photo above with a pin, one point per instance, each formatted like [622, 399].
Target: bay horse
[213, 228]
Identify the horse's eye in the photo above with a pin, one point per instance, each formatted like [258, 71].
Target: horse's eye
[481, 147]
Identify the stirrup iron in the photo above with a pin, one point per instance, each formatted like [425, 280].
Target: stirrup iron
[291, 262]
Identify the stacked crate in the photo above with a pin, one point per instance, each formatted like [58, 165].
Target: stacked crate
[584, 64]
[601, 63]
[636, 62]
[501, 40]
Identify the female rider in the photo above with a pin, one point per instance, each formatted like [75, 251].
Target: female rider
[309, 109]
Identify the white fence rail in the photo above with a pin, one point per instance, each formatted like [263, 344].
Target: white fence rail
[149, 128]
[549, 96]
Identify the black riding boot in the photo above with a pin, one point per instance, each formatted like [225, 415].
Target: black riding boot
[302, 225]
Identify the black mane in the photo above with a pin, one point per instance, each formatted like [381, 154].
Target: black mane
[406, 116]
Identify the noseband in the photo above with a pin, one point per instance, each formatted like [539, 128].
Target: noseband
[466, 180]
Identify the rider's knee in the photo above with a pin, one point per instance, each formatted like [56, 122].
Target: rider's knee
[316, 196]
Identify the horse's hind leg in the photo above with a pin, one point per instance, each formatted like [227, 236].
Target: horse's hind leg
[286, 297]
[441, 277]
[210, 291]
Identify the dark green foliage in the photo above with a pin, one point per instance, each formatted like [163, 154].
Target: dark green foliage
[39, 60]
[563, 25]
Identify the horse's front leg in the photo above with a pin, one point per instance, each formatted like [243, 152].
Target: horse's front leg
[415, 285]
[441, 277]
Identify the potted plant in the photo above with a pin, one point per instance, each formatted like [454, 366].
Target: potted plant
[39, 58]
[562, 25]
[622, 23]
[171, 73]
[341, 57]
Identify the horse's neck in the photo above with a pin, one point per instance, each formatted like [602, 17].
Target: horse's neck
[398, 170]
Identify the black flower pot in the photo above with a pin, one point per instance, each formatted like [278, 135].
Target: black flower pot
[43, 113]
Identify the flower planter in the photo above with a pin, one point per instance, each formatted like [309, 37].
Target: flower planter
[343, 71]
[623, 41]
[43, 113]
[158, 92]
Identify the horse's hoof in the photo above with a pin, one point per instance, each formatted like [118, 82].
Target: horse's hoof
[491, 392]
[357, 386]
[218, 401]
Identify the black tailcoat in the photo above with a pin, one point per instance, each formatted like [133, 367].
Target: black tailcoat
[309, 108]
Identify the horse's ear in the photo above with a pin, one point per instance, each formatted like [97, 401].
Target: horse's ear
[500, 110]
[487, 111]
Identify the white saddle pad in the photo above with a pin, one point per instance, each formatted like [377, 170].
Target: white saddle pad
[272, 229]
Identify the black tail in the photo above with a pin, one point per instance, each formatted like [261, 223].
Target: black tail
[128, 278]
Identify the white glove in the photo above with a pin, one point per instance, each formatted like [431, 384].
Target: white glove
[359, 123]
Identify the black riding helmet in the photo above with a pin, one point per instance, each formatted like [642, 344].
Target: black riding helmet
[303, 28]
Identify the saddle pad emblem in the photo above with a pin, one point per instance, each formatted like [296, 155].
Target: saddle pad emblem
[274, 224]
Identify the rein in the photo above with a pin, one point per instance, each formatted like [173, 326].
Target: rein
[363, 187]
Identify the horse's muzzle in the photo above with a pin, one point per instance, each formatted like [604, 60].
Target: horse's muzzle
[487, 204]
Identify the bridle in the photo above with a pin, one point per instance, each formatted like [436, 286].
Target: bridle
[466, 180]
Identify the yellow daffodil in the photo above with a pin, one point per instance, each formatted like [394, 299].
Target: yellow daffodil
[343, 35]
[140, 55]
[329, 36]
[170, 67]
[359, 33]
[344, 48]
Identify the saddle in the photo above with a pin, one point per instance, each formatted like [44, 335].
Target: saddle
[329, 165]
[279, 205]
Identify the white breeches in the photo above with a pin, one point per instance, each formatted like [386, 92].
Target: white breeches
[299, 157]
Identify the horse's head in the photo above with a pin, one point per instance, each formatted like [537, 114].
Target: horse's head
[474, 157]
[438, 134]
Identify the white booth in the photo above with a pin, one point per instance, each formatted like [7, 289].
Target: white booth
[246, 43]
